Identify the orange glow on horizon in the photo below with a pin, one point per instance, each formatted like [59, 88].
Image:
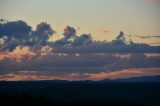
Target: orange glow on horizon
[124, 73]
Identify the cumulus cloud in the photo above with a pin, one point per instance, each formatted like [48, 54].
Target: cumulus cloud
[69, 32]
[14, 33]
[42, 33]
[71, 39]
[22, 53]
[46, 50]
[18, 29]
[62, 42]
[120, 39]
[19, 33]
[84, 39]
[19, 53]
[26, 50]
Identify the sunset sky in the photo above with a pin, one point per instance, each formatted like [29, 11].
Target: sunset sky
[25, 53]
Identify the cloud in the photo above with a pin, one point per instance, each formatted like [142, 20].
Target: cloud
[71, 39]
[42, 33]
[75, 55]
[120, 39]
[14, 33]
[84, 39]
[62, 42]
[27, 76]
[69, 32]
[19, 53]
[46, 50]
[155, 43]
[94, 66]
[18, 29]
[124, 73]
[71, 57]
[105, 47]
[85, 44]
[83, 63]
[112, 75]
[150, 1]
[26, 52]
[32, 75]
[146, 37]
[104, 31]
[19, 33]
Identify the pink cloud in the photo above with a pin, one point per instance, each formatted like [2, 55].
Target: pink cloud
[26, 52]
[125, 73]
[26, 76]
[104, 31]
[150, 1]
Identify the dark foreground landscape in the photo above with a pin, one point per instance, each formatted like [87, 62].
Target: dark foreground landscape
[144, 91]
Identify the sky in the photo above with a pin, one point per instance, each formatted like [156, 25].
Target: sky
[102, 18]
[63, 39]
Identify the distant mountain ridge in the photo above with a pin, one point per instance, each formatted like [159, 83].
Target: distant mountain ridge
[139, 91]
[136, 79]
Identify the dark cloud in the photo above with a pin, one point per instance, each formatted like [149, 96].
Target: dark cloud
[17, 33]
[42, 33]
[85, 44]
[84, 63]
[146, 37]
[70, 38]
[69, 32]
[18, 29]
[155, 43]
[62, 42]
[105, 47]
[120, 36]
[84, 39]
[120, 40]
[14, 33]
